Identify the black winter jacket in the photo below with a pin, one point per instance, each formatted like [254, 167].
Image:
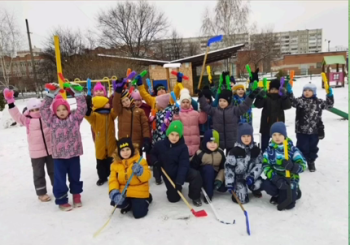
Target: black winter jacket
[174, 158]
[273, 110]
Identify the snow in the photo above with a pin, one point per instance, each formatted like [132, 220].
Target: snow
[320, 216]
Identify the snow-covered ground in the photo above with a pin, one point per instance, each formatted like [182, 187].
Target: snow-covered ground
[320, 216]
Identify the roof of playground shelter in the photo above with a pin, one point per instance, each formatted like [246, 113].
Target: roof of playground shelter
[196, 60]
[337, 59]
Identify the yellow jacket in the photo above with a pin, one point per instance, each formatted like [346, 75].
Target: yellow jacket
[151, 100]
[104, 128]
[121, 172]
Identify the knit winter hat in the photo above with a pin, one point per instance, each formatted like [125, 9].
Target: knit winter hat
[232, 79]
[211, 135]
[163, 100]
[207, 93]
[99, 86]
[125, 94]
[60, 101]
[244, 129]
[278, 127]
[275, 83]
[310, 86]
[185, 95]
[99, 102]
[175, 126]
[136, 95]
[125, 142]
[238, 86]
[34, 103]
[227, 95]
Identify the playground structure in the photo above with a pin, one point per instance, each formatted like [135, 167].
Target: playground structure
[335, 79]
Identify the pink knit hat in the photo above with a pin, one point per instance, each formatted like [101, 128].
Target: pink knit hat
[99, 86]
[60, 101]
[33, 103]
[136, 95]
[163, 100]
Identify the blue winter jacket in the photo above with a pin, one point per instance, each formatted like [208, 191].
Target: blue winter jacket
[174, 158]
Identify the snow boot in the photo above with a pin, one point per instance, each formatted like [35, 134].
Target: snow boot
[150, 199]
[77, 201]
[126, 209]
[274, 200]
[197, 202]
[311, 166]
[159, 181]
[205, 200]
[100, 182]
[257, 194]
[65, 207]
[298, 193]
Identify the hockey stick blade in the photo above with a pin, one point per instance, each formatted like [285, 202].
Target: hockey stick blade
[200, 213]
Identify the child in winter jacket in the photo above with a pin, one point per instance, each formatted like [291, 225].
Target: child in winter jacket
[101, 118]
[66, 144]
[209, 98]
[39, 142]
[275, 166]
[209, 161]
[273, 106]
[308, 123]
[226, 116]
[132, 121]
[239, 96]
[171, 154]
[126, 162]
[243, 166]
[139, 104]
[191, 120]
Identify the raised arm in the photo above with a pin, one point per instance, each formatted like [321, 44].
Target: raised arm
[205, 107]
[80, 112]
[117, 104]
[45, 111]
[16, 115]
[244, 107]
[150, 100]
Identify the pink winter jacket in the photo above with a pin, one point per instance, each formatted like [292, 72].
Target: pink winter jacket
[191, 120]
[38, 133]
[65, 134]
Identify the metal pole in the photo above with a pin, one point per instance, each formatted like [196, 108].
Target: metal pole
[328, 46]
[58, 63]
[31, 53]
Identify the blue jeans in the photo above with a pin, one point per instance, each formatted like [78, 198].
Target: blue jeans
[139, 206]
[209, 174]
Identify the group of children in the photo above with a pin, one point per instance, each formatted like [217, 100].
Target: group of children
[225, 158]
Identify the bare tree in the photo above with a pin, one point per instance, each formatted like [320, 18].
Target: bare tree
[194, 48]
[176, 46]
[133, 25]
[10, 41]
[230, 19]
[160, 51]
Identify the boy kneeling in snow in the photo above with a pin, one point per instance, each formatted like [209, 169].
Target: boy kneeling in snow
[243, 165]
[275, 166]
[172, 155]
[210, 160]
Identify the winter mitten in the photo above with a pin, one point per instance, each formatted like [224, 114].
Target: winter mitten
[137, 169]
[330, 92]
[179, 77]
[178, 187]
[119, 86]
[217, 184]
[9, 96]
[88, 100]
[289, 165]
[255, 76]
[238, 152]
[282, 91]
[280, 182]
[116, 197]
[139, 80]
[52, 89]
[146, 146]
[255, 152]
[249, 180]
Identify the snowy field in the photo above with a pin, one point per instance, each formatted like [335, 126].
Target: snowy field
[320, 216]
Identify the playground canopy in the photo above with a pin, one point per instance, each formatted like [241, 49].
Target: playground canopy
[332, 60]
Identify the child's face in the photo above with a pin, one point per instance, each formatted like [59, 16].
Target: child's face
[34, 112]
[138, 103]
[185, 104]
[161, 91]
[212, 145]
[273, 91]
[246, 139]
[62, 112]
[240, 92]
[223, 103]
[125, 153]
[99, 93]
[308, 93]
[278, 138]
[126, 102]
[174, 137]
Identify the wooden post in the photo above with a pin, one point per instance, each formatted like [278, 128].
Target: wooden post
[168, 78]
[203, 67]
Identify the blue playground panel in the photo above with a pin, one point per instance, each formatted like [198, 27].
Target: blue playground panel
[162, 82]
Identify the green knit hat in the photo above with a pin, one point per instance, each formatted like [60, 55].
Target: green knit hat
[175, 126]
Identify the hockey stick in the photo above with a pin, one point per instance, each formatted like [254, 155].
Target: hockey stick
[212, 207]
[289, 198]
[115, 207]
[244, 211]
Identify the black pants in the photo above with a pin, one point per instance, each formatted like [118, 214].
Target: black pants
[307, 144]
[265, 138]
[193, 177]
[104, 168]
[139, 206]
[156, 172]
[38, 165]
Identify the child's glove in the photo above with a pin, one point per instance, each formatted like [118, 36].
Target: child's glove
[289, 165]
[137, 169]
[139, 80]
[330, 92]
[238, 152]
[52, 89]
[9, 96]
[255, 76]
[146, 146]
[249, 180]
[217, 184]
[255, 152]
[118, 86]
[280, 182]
[116, 197]
[179, 77]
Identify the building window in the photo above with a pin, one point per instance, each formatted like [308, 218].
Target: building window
[319, 65]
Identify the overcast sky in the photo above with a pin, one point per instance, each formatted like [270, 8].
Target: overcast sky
[185, 16]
